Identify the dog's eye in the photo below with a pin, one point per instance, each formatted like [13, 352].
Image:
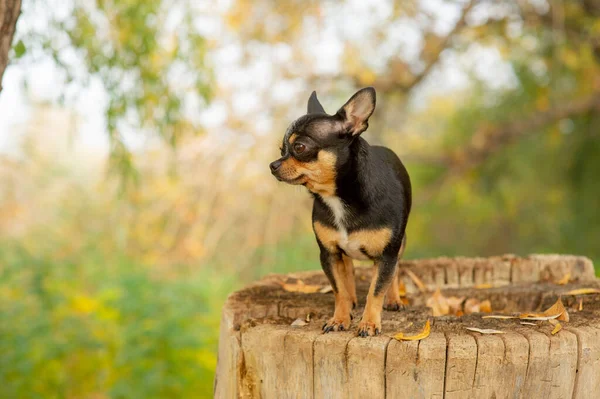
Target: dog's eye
[299, 148]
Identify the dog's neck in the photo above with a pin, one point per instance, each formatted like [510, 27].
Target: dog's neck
[352, 192]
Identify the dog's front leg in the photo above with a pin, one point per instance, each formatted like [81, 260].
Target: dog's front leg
[370, 324]
[337, 272]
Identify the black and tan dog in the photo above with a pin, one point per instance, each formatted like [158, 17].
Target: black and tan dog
[362, 199]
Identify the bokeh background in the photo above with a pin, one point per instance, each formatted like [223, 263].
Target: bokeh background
[135, 137]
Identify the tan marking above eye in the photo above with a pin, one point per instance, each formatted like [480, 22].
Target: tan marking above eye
[292, 138]
[373, 241]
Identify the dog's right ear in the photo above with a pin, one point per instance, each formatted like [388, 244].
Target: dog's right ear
[314, 106]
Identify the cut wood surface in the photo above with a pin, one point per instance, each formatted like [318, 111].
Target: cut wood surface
[261, 355]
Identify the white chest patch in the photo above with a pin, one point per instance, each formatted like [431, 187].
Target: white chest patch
[338, 209]
[350, 246]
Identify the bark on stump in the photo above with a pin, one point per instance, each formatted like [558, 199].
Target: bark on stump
[262, 356]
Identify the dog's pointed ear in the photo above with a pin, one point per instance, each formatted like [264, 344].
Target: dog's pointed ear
[314, 106]
[356, 112]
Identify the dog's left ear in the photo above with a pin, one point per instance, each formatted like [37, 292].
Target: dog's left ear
[314, 106]
[356, 112]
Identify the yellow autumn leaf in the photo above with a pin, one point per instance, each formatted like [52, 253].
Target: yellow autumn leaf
[485, 306]
[556, 311]
[401, 288]
[483, 286]
[565, 279]
[557, 328]
[422, 335]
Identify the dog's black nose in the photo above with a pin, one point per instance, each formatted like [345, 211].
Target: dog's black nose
[275, 165]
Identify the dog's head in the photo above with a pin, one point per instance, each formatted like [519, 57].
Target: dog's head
[316, 145]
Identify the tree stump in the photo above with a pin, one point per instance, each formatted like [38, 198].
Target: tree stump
[261, 355]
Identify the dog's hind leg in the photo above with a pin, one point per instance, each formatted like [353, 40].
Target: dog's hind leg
[392, 296]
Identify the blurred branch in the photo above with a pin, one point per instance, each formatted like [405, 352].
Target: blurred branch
[9, 13]
[487, 140]
[435, 56]
[389, 82]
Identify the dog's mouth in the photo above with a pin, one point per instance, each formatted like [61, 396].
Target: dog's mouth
[297, 180]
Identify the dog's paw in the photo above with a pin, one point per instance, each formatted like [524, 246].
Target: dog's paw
[394, 305]
[368, 329]
[336, 324]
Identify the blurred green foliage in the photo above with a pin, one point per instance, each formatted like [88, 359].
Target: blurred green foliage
[99, 326]
[148, 56]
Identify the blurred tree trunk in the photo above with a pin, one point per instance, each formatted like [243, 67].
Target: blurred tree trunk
[9, 12]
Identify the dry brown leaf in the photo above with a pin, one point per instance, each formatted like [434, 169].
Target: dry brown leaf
[438, 303]
[472, 305]
[417, 337]
[527, 323]
[557, 328]
[558, 308]
[485, 330]
[326, 289]
[455, 304]
[483, 286]
[564, 280]
[299, 286]
[583, 291]
[537, 316]
[553, 322]
[499, 316]
[299, 323]
[485, 306]
[418, 282]
[401, 288]
[404, 300]
[556, 311]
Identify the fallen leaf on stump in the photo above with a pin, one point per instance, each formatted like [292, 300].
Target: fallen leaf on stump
[401, 288]
[528, 323]
[485, 330]
[417, 337]
[558, 308]
[557, 328]
[565, 279]
[326, 289]
[472, 305]
[418, 282]
[556, 311]
[583, 291]
[485, 306]
[299, 286]
[299, 323]
[438, 303]
[455, 305]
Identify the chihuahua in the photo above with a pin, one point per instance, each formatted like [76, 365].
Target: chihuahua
[362, 199]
